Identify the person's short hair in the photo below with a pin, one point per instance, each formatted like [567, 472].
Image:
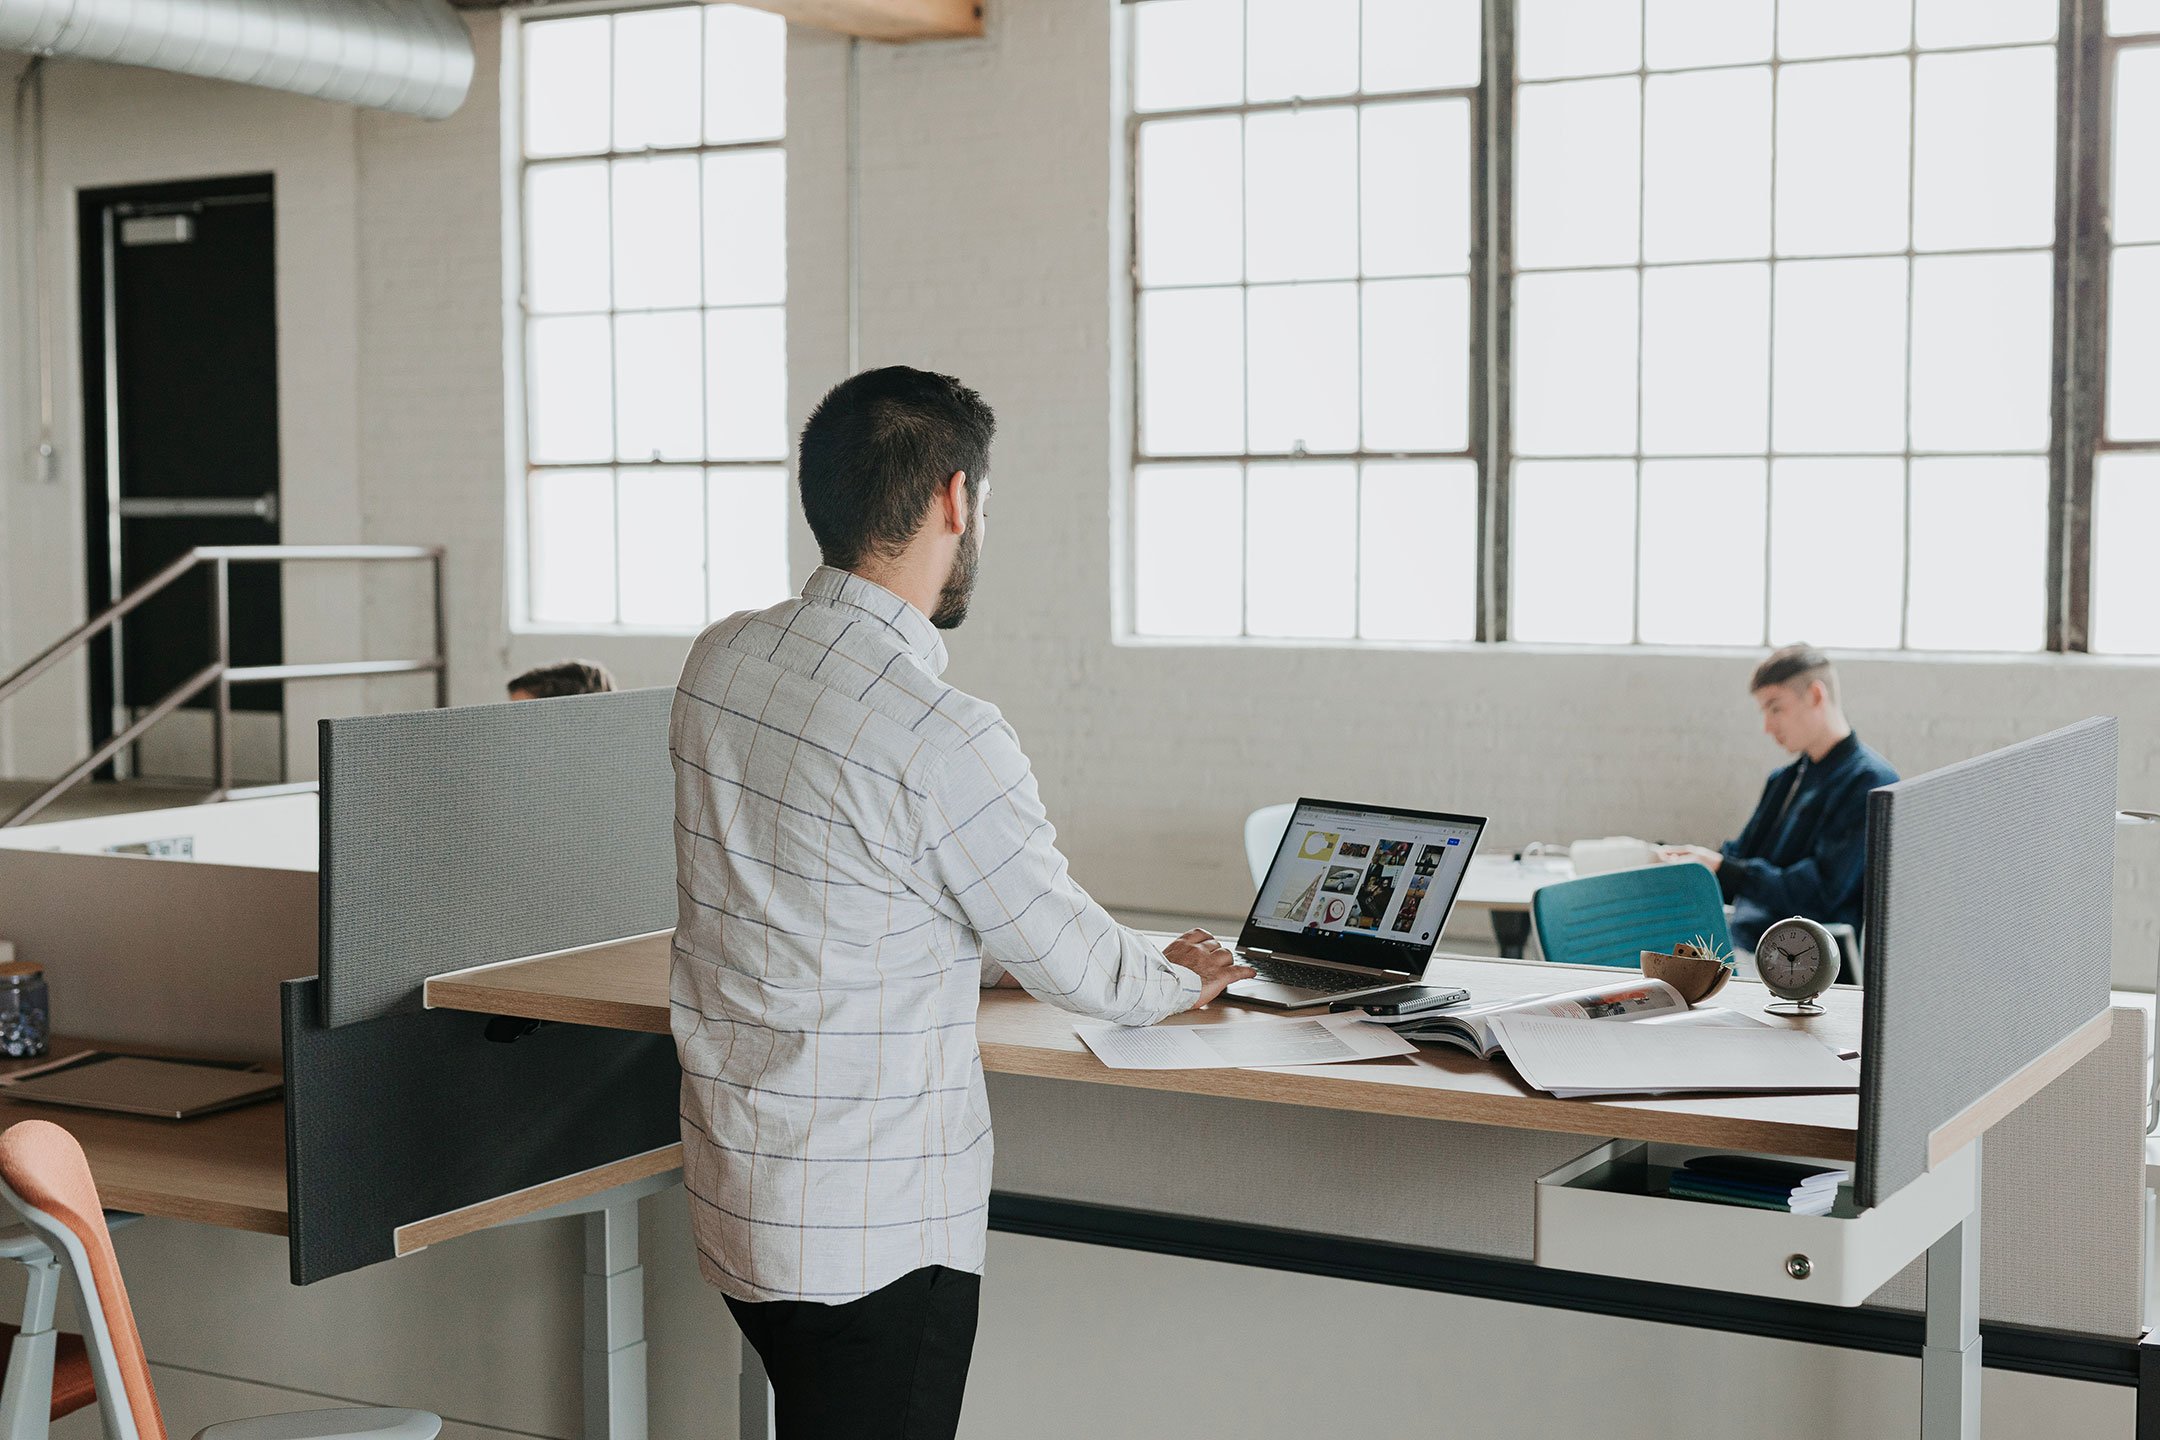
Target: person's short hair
[564, 677]
[876, 452]
[1794, 666]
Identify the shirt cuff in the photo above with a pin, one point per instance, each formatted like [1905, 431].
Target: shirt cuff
[1733, 874]
[1188, 983]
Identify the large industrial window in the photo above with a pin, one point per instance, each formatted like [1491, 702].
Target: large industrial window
[1303, 197]
[653, 296]
[1781, 320]
[1756, 324]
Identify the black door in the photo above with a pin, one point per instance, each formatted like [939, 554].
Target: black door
[179, 311]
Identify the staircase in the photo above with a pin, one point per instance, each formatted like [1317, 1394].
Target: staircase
[220, 675]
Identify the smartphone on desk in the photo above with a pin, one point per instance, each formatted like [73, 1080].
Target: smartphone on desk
[1405, 1000]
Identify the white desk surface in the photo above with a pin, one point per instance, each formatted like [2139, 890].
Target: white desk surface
[1501, 882]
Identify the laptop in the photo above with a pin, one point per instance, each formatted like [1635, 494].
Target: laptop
[1354, 901]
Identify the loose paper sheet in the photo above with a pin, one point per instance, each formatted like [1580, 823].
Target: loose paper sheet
[1715, 1016]
[1595, 1057]
[1317, 1040]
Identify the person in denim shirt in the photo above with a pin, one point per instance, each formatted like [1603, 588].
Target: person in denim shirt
[1804, 851]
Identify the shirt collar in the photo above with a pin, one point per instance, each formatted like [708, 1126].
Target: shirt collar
[1835, 756]
[917, 635]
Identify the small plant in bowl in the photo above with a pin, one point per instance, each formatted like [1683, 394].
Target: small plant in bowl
[1707, 949]
[1696, 968]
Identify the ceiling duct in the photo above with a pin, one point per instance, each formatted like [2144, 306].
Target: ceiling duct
[414, 56]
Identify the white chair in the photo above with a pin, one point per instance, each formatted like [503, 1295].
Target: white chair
[45, 1178]
[1263, 832]
[48, 1372]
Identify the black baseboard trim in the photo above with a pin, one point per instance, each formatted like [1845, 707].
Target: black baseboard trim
[2065, 1356]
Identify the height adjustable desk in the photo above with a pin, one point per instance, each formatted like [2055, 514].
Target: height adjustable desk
[624, 985]
[482, 868]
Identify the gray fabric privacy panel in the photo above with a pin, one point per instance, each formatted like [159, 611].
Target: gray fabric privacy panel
[1989, 917]
[453, 838]
[411, 1116]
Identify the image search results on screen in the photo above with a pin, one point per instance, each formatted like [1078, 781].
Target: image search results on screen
[1345, 877]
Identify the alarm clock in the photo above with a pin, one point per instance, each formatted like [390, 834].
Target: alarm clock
[1797, 960]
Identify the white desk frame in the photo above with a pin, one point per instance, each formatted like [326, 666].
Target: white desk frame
[1950, 1354]
[614, 1351]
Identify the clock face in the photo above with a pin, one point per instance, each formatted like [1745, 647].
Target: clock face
[1789, 959]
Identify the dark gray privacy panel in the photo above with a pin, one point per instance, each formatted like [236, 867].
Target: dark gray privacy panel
[398, 1119]
[1989, 921]
[460, 837]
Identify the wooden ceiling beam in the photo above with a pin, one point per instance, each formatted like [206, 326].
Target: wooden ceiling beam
[893, 20]
[896, 20]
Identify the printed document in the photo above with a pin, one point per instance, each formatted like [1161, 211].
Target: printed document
[1572, 1057]
[1268, 1041]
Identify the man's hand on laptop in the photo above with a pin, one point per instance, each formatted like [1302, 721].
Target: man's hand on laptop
[1210, 959]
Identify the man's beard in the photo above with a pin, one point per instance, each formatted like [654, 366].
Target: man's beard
[952, 603]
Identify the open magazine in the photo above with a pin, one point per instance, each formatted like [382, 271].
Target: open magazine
[1469, 1027]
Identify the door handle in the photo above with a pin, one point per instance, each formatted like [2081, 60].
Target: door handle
[260, 507]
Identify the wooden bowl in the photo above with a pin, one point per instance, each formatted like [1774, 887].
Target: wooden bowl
[1695, 978]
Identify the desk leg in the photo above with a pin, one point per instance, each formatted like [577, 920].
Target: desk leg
[1950, 1354]
[1511, 928]
[754, 1398]
[614, 1325]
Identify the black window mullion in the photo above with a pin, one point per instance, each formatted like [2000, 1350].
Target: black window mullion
[2080, 315]
[1492, 263]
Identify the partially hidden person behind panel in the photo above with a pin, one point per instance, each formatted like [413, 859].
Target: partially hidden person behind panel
[1804, 851]
[564, 677]
[859, 847]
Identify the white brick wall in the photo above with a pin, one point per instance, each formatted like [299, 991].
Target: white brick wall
[991, 249]
[431, 377]
[991, 240]
[111, 126]
[18, 400]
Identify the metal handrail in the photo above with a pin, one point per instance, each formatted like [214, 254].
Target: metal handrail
[221, 673]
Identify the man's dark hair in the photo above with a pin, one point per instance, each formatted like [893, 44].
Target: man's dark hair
[564, 677]
[877, 450]
[1794, 666]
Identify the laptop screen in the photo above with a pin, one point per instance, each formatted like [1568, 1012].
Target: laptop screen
[1362, 886]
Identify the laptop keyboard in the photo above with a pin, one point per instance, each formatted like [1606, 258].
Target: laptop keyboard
[1311, 977]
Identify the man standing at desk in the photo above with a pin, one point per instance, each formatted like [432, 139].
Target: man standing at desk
[1804, 851]
[859, 846]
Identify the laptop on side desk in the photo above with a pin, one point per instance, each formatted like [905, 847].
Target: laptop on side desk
[1354, 901]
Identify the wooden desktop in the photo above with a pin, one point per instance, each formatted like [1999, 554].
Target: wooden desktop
[624, 985]
[226, 1169]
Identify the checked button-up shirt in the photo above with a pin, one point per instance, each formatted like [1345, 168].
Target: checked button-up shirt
[859, 848]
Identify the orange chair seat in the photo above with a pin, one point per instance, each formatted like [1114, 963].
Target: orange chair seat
[73, 1386]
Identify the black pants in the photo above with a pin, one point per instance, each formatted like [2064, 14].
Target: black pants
[890, 1366]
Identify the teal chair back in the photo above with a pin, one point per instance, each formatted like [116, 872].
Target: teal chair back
[1611, 919]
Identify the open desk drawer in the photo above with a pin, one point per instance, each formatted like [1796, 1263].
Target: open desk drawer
[1607, 1213]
